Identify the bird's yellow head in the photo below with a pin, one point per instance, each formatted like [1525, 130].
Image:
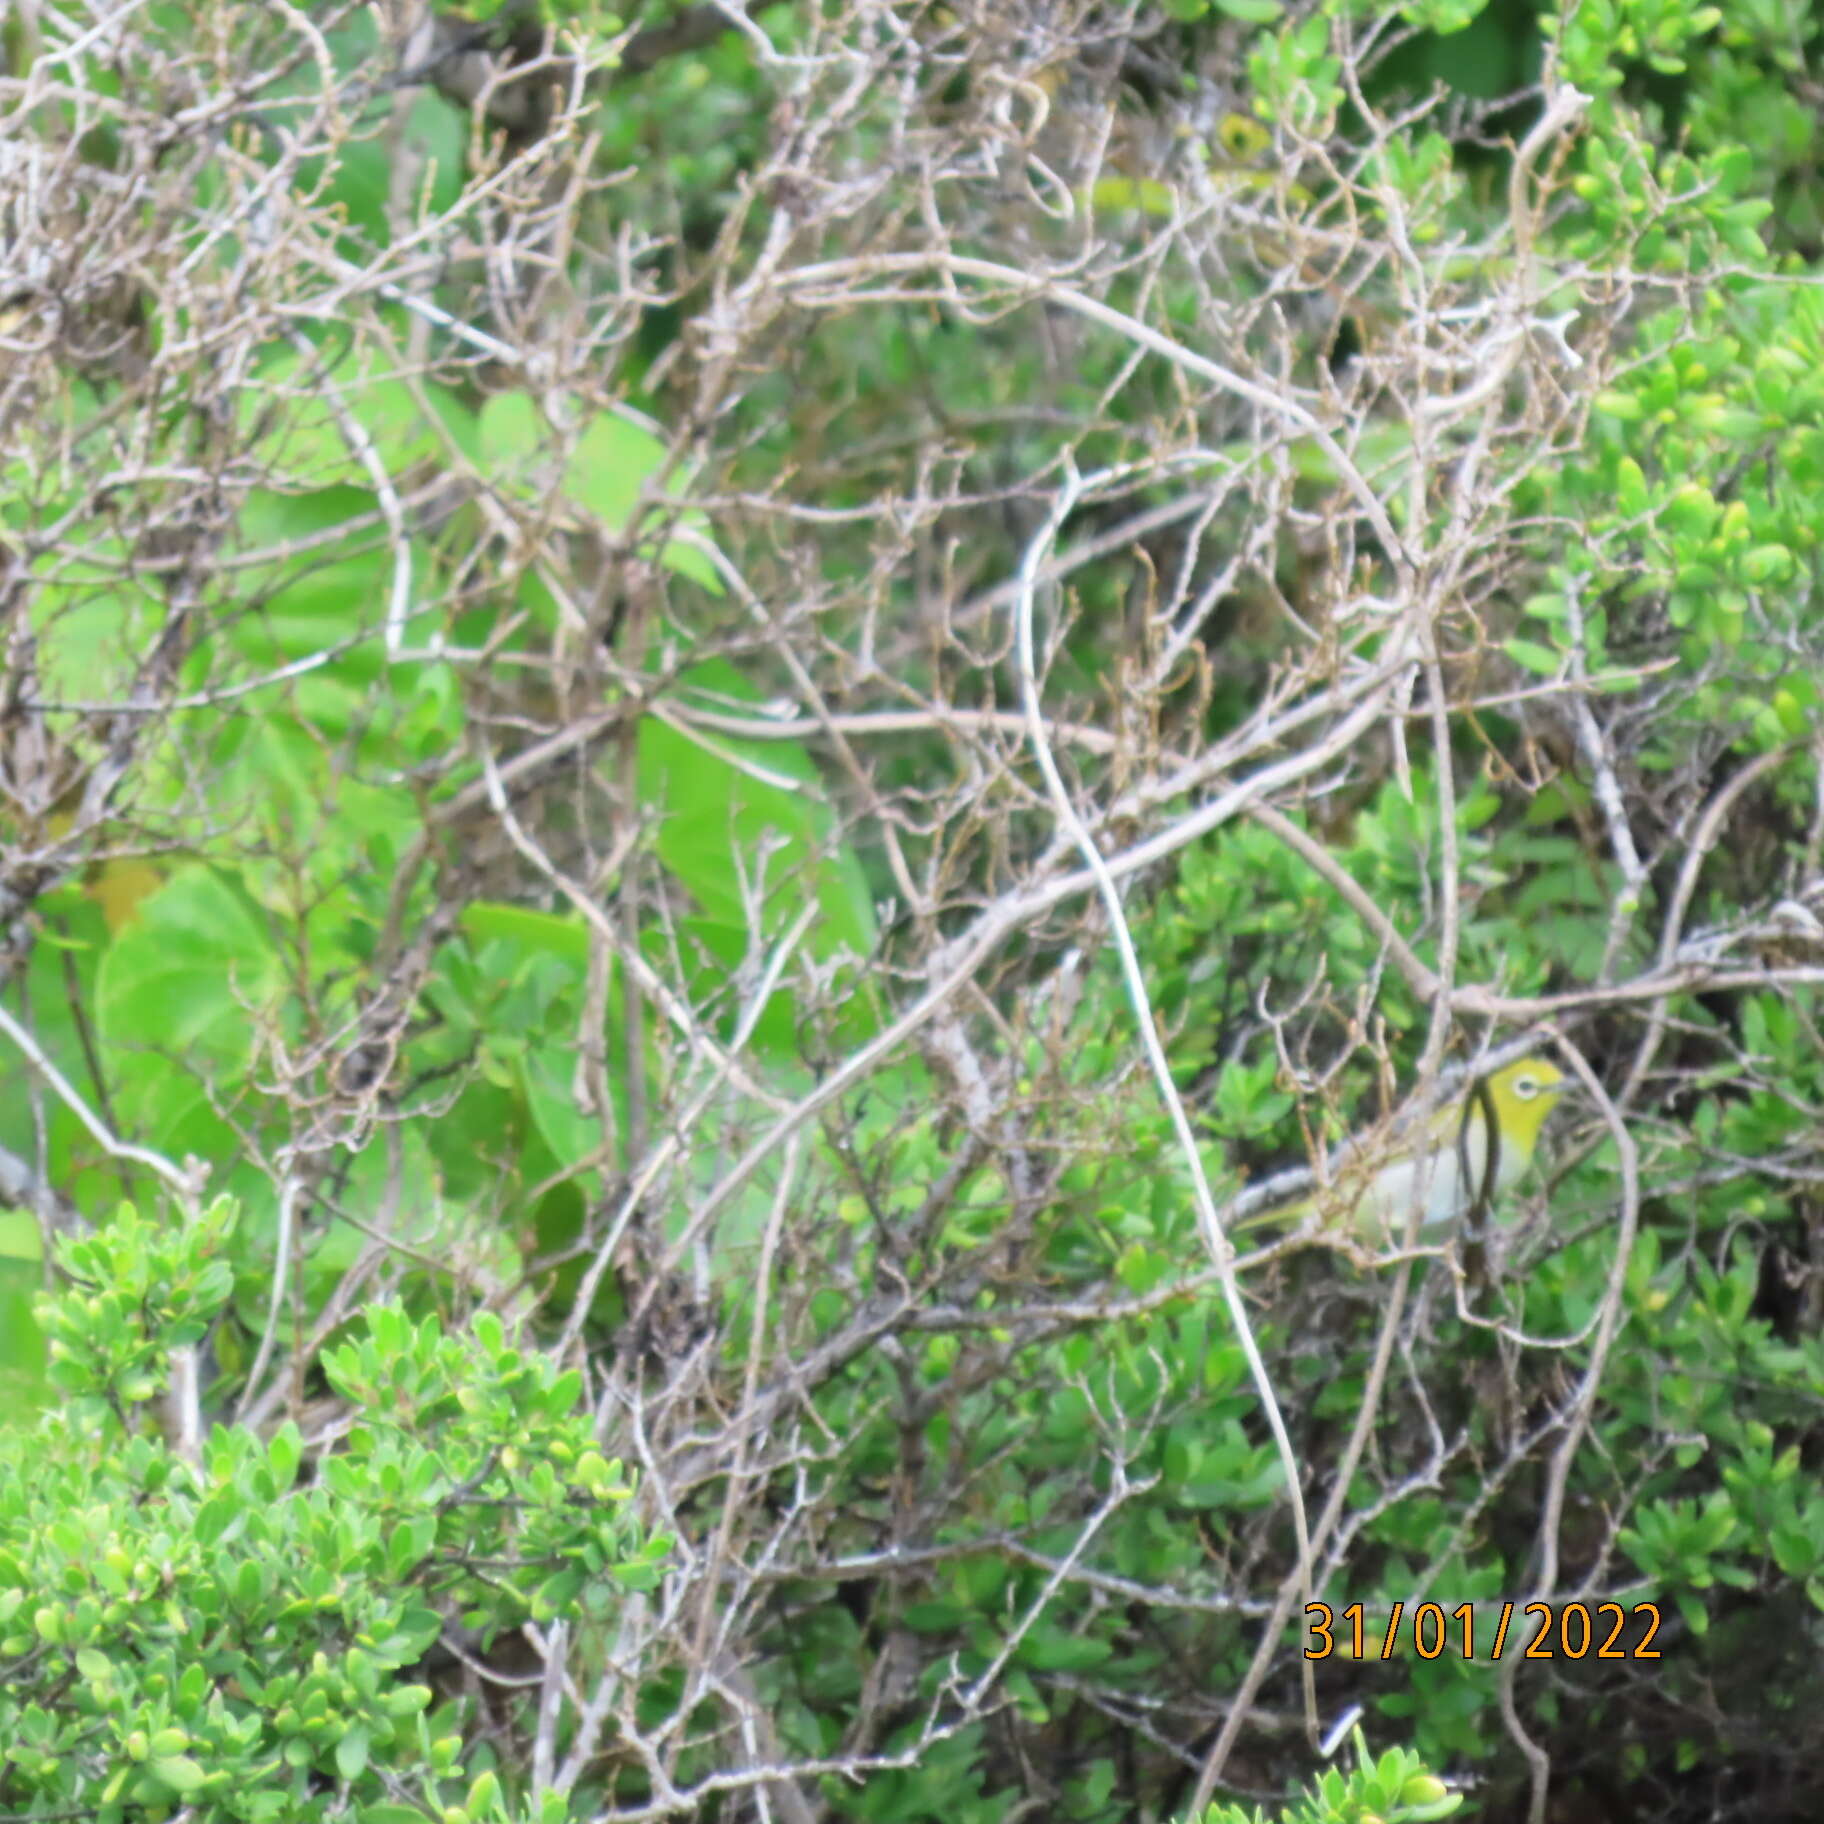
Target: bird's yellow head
[1523, 1094]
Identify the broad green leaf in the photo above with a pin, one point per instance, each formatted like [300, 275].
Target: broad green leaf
[19, 1236]
[178, 993]
[547, 1072]
[612, 463]
[91, 618]
[555, 934]
[22, 1357]
[713, 810]
[321, 416]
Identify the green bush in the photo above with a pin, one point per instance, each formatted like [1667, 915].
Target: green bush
[256, 1635]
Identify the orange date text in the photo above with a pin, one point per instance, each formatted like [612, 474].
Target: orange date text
[1472, 1630]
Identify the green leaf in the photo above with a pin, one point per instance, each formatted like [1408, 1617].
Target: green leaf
[90, 619]
[607, 473]
[320, 417]
[19, 1236]
[1630, 487]
[734, 798]
[547, 1076]
[178, 1773]
[22, 1347]
[351, 1752]
[560, 935]
[1533, 657]
[183, 985]
[284, 1451]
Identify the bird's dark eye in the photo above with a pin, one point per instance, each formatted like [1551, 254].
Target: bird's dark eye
[1526, 1088]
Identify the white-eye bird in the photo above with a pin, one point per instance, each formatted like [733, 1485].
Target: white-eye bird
[1371, 1196]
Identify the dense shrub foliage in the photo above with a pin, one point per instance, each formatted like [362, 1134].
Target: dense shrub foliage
[716, 724]
[227, 1635]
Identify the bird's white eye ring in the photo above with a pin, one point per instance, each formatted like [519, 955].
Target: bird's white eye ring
[1527, 1087]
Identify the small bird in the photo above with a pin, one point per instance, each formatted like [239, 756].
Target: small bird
[1372, 1196]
